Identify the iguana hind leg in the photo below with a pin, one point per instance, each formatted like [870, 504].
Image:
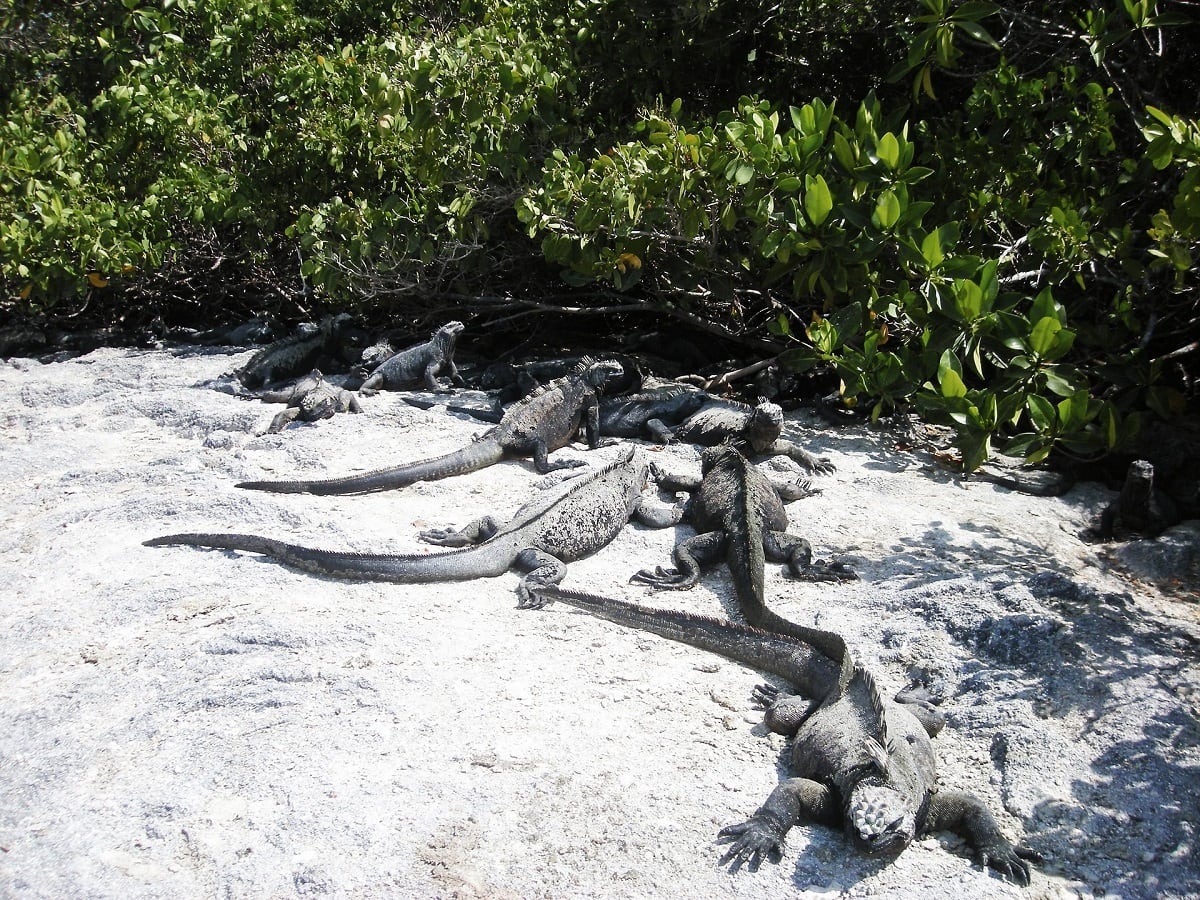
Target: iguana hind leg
[475, 533]
[921, 704]
[690, 556]
[780, 546]
[540, 569]
[785, 713]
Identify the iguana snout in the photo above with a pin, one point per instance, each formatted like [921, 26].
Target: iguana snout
[879, 820]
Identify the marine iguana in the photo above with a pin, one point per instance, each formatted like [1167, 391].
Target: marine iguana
[758, 426]
[738, 514]
[310, 399]
[542, 423]
[576, 520]
[857, 760]
[514, 381]
[335, 336]
[650, 413]
[418, 363]
[1140, 506]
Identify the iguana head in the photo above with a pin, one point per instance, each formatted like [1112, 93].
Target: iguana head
[599, 372]
[879, 819]
[450, 330]
[765, 425]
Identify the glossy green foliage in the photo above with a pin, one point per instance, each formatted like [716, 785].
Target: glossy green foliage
[1003, 234]
[360, 134]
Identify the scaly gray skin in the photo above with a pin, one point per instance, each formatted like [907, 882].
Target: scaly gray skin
[1140, 506]
[311, 399]
[757, 426]
[650, 413]
[537, 426]
[858, 761]
[295, 390]
[739, 517]
[420, 363]
[289, 357]
[578, 519]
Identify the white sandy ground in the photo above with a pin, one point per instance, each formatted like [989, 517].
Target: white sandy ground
[186, 723]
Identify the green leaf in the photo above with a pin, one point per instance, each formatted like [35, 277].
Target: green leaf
[931, 249]
[818, 202]
[1072, 411]
[979, 33]
[1042, 412]
[743, 173]
[887, 209]
[1160, 115]
[973, 10]
[1042, 337]
[968, 299]
[952, 384]
[888, 151]
[975, 451]
[842, 152]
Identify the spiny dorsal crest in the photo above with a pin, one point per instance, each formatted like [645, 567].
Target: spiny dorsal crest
[879, 746]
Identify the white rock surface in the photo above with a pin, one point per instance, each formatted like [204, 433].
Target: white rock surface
[184, 723]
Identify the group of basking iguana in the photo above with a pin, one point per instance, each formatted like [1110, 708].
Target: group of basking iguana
[859, 760]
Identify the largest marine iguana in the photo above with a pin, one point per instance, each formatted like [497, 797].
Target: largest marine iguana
[544, 534]
[857, 760]
[543, 422]
[739, 516]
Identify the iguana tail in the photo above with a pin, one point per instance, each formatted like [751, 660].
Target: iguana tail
[456, 565]
[479, 455]
[802, 663]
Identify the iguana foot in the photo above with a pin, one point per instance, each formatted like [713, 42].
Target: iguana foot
[526, 599]
[820, 570]
[663, 579]
[564, 464]
[797, 490]
[757, 838]
[823, 465]
[443, 536]
[1008, 860]
[766, 694]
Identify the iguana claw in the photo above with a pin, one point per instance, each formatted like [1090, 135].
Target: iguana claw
[1009, 861]
[753, 840]
[660, 578]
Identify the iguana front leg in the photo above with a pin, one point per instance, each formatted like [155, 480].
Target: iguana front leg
[540, 569]
[966, 816]
[818, 465]
[430, 377]
[284, 419]
[690, 555]
[591, 423]
[763, 834]
[780, 546]
[660, 432]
